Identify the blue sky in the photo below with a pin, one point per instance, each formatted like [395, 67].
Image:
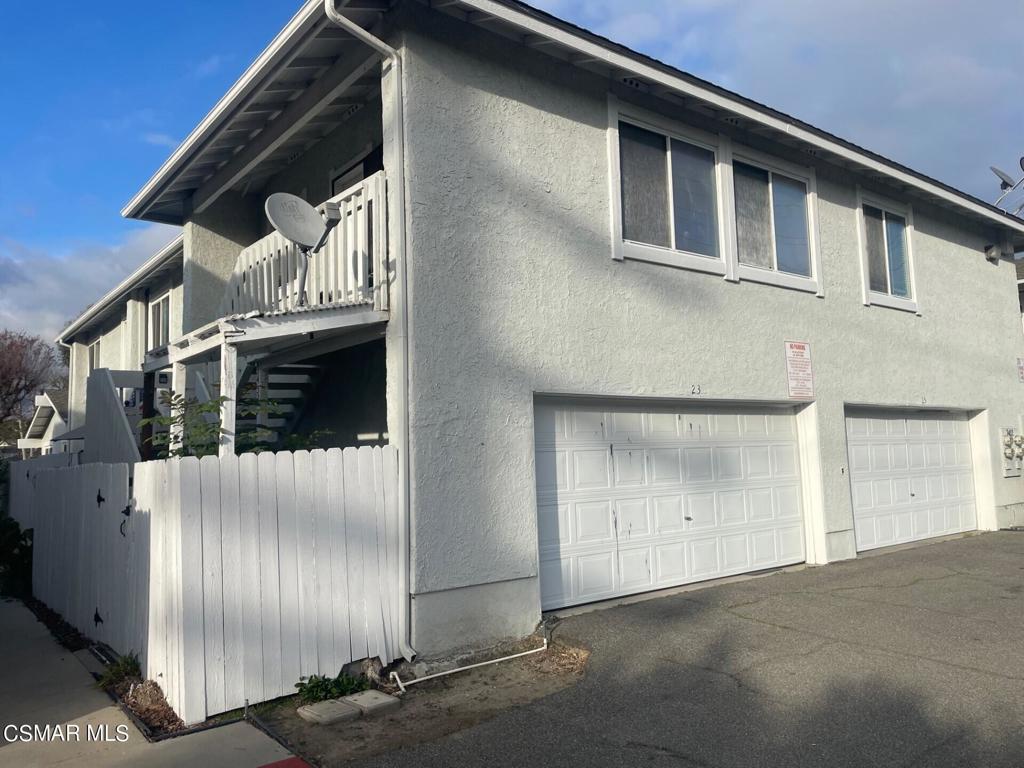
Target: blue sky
[98, 94]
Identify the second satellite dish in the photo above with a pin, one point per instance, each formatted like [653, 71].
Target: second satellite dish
[301, 223]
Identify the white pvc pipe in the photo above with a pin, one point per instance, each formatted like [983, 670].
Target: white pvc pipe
[402, 686]
[399, 315]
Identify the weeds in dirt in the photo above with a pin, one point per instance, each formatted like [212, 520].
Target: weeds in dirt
[125, 668]
[320, 687]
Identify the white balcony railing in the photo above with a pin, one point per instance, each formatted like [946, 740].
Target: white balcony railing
[350, 269]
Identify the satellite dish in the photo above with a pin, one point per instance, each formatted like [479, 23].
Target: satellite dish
[295, 219]
[1005, 181]
[301, 223]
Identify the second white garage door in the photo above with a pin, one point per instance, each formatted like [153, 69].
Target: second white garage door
[910, 476]
[631, 499]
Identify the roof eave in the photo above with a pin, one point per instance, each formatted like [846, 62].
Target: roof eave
[265, 63]
[164, 256]
[592, 47]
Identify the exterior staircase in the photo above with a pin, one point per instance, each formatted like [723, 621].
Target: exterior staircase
[289, 387]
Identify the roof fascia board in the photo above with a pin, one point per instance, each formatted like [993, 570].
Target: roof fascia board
[164, 256]
[596, 52]
[271, 58]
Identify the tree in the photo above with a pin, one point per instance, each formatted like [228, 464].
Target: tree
[27, 364]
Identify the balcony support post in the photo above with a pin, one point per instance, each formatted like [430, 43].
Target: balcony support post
[229, 393]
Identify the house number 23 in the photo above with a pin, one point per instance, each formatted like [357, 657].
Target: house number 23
[695, 389]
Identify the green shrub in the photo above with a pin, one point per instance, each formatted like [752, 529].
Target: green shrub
[15, 559]
[125, 668]
[320, 687]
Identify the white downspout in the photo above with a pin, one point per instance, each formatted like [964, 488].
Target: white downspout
[399, 315]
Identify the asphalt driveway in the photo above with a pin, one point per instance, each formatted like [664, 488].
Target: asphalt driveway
[909, 658]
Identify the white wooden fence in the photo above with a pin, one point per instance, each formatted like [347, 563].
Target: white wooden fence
[231, 577]
[109, 435]
[349, 269]
[23, 482]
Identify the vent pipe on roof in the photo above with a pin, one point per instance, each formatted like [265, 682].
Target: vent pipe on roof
[399, 314]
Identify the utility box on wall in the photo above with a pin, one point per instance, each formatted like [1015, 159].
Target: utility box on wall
[1011, 442]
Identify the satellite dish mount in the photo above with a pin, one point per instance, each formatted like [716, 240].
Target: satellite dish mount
[303, 225]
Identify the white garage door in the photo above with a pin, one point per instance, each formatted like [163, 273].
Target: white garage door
[634, 499]
[910, 476]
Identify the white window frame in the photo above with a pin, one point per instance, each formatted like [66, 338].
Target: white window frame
[906, 212]
[805, 175]
[151, 344]
[727, 264]
[623, 249]
[92, 358]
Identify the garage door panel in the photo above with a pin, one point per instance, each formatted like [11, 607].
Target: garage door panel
[759, 463]
[635, 567]
[698, 465]
[668, 514]
[666, 466]
[704, 557]
[629, 467]
[632, 519]
[759, 505]
[554, 525]
[735, 556]
[918, 473]
[785, 462]
[700, 509]
[594, 522]
[671, 563]
[595, 575]
[791, 544]
[787, 502]
[590, 470]
[731, 508]
[668, 497]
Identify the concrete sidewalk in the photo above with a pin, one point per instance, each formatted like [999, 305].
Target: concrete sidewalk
[42, 683]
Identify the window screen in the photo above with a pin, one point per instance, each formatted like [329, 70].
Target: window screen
[789, 204]
[874, 234]
[886, 243]
[644, 171]
[753, 215]
[895, 236]
[694, 199]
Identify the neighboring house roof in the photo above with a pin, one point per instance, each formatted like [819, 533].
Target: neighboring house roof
[50, 403]
[234, 123]
[153, 269]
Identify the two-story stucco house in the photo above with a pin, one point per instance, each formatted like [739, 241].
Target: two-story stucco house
[627, 329]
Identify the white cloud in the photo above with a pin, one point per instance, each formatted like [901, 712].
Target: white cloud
[160, 140]
[929, 83]
[210, 65]
[40, 292]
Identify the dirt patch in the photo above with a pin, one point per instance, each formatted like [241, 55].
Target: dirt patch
[64, 633]
[146, 701]
[435, 708]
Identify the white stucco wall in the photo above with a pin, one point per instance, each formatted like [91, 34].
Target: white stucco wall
[513, 292]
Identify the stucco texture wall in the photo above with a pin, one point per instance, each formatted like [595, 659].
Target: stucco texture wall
[513, 292]
[213, 239]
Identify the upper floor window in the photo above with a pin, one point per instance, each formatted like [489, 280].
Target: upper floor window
[771, 220]
[687, 198]
[160, 322]
[94, 355]
[668, 192]
[885, 230]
